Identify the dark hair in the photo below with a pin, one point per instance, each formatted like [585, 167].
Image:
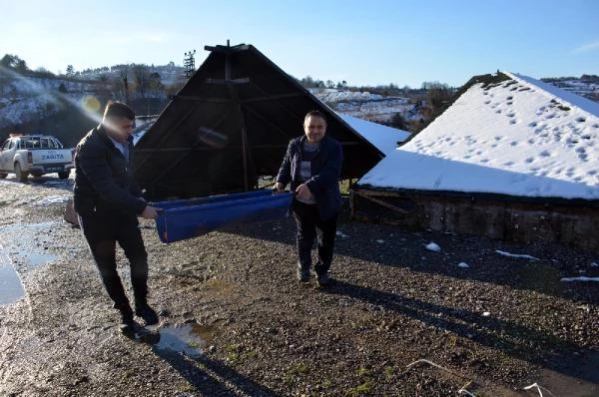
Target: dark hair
[118, 110]
[315, 113]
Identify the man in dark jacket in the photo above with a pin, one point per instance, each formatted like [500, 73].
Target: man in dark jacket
[108, 202]
[313, 165]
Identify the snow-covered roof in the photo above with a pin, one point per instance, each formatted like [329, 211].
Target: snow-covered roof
[519, 138]
[384, 138]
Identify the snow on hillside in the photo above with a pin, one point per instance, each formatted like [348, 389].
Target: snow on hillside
[169, 73]
[366, 105]
[518, 138]
[588, 89]
[25, 98]
[332, 95]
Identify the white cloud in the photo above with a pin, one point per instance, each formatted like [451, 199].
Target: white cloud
[587, 48]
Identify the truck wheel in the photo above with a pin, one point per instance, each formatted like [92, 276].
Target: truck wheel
[3, 175]
[63, 174]
[21, 175]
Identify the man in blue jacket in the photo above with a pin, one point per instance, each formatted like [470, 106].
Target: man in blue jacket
[313, 166]
[108, 202]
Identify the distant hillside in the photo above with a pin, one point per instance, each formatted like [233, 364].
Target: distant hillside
[65, 107]
[38, 101]
[369, 106]
[586, 86]
[169, 74]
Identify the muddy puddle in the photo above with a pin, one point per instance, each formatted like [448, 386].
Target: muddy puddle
[16, 257]
[36, 260]
[11, 288]
[188, 339]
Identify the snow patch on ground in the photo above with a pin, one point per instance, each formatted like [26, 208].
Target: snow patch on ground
[521, 256]
[433, 247]
[52, 200]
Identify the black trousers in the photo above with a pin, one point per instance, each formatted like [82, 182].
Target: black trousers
[307, 220]
[102, 231]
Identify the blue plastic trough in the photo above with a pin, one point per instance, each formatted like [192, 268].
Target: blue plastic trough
[184, 219]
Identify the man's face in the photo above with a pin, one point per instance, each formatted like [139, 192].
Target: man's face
[315, 128]
[120, 128]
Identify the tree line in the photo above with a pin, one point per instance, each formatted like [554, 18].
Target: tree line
[142, 86]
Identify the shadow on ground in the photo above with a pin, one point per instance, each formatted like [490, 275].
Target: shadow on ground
[516, 340]
[395, 246]
[211, 377]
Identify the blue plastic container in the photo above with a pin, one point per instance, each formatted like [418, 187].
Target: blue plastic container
[184, 219]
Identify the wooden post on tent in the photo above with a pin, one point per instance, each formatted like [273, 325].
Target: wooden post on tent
[230, 83]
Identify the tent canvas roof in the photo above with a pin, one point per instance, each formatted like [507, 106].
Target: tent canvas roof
[230, 124]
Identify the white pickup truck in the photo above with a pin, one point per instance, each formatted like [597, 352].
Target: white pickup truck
[35, 155]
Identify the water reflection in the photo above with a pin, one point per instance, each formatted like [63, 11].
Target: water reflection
[188, 339]
[35, 260]
[11, 288]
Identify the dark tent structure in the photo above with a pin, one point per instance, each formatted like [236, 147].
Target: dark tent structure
[230, 125]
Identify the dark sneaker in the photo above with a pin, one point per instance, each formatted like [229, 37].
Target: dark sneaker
[303, 275]
[147, 313]
[324, 279]
[128, 325]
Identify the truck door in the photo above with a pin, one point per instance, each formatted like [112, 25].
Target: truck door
[6, 155]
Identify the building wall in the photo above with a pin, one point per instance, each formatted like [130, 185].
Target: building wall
[504, 220]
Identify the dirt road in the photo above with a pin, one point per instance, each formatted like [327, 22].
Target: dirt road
[234, 322]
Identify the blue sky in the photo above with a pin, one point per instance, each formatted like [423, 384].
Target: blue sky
[362, 42]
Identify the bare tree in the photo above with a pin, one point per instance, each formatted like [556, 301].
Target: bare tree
[142, 78]
[124, 75]
[5, 81]
[70, 71]
[438, 95]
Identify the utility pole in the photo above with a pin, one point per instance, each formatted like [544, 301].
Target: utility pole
[189, 63]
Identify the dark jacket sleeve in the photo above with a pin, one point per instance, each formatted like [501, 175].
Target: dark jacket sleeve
[284, 175]
[95, 167]
[330, 171]
[135, 189]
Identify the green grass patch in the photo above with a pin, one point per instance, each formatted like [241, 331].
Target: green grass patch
[364, 388]
[363, 371]
[299, 369]
[389, 372]
[236, 353]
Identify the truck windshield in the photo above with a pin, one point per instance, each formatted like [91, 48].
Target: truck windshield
[37, 142]
[31, 143]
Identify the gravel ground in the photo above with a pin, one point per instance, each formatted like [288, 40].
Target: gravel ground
[235, 322]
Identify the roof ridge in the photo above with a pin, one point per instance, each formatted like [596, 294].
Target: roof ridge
[554, 92]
